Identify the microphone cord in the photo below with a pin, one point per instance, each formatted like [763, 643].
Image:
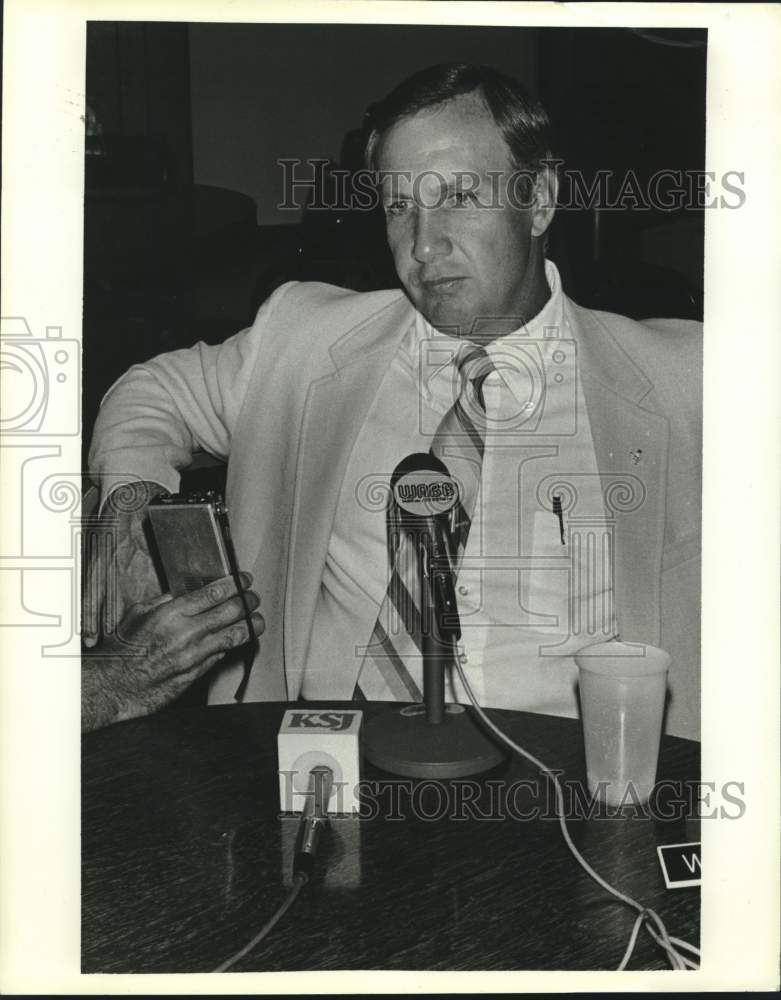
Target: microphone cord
[645, 916]
[314, 818]
[299, 881]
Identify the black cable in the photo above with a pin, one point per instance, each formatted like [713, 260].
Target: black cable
[221, 512]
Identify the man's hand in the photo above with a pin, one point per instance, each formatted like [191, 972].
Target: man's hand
[118, 567]
[161, 647]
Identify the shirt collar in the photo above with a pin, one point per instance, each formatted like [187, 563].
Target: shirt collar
[430, 355]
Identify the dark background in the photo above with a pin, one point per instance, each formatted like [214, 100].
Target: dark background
[183, 237]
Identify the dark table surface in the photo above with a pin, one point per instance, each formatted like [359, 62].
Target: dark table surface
[185, 855]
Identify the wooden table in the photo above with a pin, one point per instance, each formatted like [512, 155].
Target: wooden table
[185, 856]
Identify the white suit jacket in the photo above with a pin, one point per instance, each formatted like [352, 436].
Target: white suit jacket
[285, 400]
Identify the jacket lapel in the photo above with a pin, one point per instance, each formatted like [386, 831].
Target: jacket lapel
[630, 443]
[335, 410]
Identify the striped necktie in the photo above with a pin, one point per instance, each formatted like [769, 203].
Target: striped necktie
[459, 442]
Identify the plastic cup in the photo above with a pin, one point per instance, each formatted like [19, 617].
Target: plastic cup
[622, 694]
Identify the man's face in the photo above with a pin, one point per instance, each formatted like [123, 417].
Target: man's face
[460, 237]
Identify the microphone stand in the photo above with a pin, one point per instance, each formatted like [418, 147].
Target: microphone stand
[438, 600]
[432, 740]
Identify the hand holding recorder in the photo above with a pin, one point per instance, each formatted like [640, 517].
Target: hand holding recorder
[155, 645]
[164, 646]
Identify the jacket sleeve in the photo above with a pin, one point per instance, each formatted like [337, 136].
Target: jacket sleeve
[157, 415]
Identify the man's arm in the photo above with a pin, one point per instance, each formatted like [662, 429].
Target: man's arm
[150, 423]
[159, 413]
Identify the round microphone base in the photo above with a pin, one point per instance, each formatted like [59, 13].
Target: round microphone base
[403, 742]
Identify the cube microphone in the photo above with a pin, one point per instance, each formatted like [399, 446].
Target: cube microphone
[311, 738]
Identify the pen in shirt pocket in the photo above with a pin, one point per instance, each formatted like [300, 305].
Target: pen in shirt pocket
[560, 515]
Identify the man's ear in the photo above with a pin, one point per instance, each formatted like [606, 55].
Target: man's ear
[546, 189]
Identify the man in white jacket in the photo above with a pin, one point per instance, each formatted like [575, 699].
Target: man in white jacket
[315, 404]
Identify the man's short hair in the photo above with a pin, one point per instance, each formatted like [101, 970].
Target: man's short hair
[523, 122]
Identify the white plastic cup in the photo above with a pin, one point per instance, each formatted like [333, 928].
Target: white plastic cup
[622, 694]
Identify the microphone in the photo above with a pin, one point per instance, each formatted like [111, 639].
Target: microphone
[312, 738]
[427, 499]
[435, 740]
[423, 487]
[313, 819]
[320, 784]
